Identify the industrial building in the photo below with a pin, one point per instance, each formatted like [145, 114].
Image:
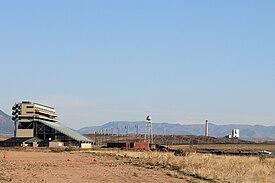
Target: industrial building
[235, 133]
[37, 125]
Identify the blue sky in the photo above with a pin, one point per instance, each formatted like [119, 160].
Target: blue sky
[180, 61]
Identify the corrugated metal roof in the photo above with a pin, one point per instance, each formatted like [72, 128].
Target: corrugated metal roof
[67, 131]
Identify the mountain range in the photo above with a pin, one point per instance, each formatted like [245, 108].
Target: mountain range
[248, 132]
[6, 124]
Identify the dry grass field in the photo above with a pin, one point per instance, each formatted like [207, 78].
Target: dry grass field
[210, 168]
[104, 165]
[243, 147]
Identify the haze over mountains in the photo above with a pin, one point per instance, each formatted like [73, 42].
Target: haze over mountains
[6, 124]
[246, 131]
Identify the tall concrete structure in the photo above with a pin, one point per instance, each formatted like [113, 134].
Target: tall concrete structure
[206, 128]
[26, 115]
[33, 120]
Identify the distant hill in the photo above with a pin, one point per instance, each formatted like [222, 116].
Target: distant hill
[6, 124]
[246, 131]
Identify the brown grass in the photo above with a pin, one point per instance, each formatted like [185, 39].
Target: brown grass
[207, 167]
[255, 147]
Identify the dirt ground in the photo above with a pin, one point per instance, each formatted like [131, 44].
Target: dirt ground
[24, 166]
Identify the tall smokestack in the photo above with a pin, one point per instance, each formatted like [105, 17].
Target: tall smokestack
[206, 128]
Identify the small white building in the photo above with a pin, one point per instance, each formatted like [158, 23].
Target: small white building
[235, 133]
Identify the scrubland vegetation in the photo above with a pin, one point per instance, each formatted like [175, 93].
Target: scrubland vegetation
[242, 147]
[207, 167]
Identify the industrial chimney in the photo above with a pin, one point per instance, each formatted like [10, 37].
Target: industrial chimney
[206, 128]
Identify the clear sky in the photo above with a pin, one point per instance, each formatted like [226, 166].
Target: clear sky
[180, 61]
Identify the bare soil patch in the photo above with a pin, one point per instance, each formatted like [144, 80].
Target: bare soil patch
[29, 166]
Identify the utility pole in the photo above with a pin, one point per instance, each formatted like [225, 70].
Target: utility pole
[117, 134]
[95, 138]
[112, 134]
[136, 126]
[126, 130]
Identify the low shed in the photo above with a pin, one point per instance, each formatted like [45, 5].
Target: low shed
[118, 144]
[140, 145]
[34, 142]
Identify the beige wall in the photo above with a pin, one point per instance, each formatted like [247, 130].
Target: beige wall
[24, 109]
[34, 110]
[56, 144]
[86, 145]
[24, 133]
